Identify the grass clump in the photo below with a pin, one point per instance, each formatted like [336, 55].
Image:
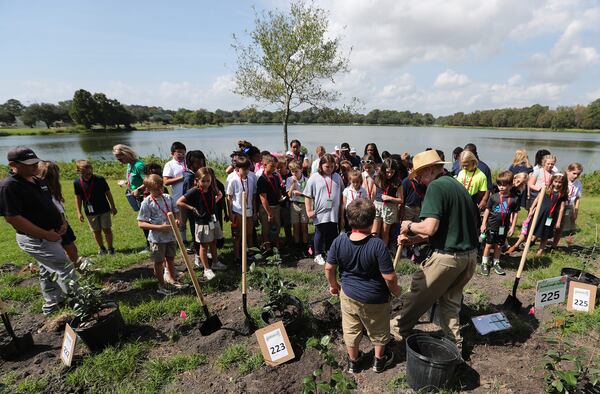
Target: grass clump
[151, 310]
[106, 371]
[160, 372]
[239, 356]
[10, 383]
[406, 267]
[24, 294]
[398, 382]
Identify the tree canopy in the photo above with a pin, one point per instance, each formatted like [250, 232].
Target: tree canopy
[288, 59]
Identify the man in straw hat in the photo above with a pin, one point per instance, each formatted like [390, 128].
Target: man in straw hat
[448, 223]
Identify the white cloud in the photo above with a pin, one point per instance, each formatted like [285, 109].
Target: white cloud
[449, 79]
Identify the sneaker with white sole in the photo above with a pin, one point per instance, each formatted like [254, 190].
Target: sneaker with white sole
[209, 274]
[197, 262]
[498, 270]
[383, 363]
[219, 266]
[319, 259]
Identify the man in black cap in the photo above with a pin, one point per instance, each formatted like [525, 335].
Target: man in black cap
[26, 204]
[345, 155]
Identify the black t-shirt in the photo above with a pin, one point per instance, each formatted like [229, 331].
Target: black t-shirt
[509, 205]
[271, 186]
[188, 180]
[361, 265]
[93, 193]
[32, 200]
[414, 192]
[205, 206]
[389, 190]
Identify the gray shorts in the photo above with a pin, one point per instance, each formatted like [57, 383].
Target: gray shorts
[158, 252]
[298, 213]
[388, 213]
[100, 222]
[204, 234]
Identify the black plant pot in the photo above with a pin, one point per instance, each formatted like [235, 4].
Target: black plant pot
[578, 275]
[105, 332]
[290, 320]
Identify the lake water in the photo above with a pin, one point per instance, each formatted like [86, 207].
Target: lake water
[496, 147]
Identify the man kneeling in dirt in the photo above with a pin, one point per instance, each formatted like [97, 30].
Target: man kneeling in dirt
[368, 277]
[448, 222]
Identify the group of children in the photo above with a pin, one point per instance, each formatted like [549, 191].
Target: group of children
[281, 192]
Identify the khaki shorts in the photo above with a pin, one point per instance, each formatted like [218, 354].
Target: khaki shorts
[298, 213]
[388, 213]
[356, 316]
[412, 214]
[100, 222]
[158, 252]
[204, 234]
[276, 210]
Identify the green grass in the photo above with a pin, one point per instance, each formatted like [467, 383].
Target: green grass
[161, 371]
[151, 309]
[107, 371]
[238, 355]
[398, 383]
[24, 294]
[10, 383]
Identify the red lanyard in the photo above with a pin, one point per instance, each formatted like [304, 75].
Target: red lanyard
[212, 200]
[362, 232]
[546, 182]
[159, 207]
[359, 194]
[571, 191]
[371, 186]
[328, 186]
[470, 180]
[555, 204]
[88, 194]
[271, 183]
[503, 213]
[182, 163]
[242, 182]
[419, 195]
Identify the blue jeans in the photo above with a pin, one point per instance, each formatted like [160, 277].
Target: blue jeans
[325, 233]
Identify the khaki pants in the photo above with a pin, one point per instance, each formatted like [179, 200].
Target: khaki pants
[357, 316]
[441, 278]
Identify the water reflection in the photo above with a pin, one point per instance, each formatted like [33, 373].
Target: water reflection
[496, 147]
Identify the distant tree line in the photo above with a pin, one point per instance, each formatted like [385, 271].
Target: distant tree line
[92, 110]
[536, 116]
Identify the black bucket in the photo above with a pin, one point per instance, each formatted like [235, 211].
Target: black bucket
[580, 276]
[430, 362]
[105, 332]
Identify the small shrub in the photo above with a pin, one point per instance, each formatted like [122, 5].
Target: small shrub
[238, 355]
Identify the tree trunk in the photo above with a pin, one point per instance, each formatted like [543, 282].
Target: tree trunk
[286, 116]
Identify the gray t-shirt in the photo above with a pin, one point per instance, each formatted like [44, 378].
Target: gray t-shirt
[156, 213]
[322, 189]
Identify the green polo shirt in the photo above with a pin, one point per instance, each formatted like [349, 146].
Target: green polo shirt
[448, 201]
[135, 174]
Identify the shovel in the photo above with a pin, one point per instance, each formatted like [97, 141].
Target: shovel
[249, 324]
[17, 344]
[512, 303]
[212, 322]
[397, 256]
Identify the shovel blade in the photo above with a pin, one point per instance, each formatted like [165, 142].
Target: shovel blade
[512, 303]
[249, 327]
[210, 325]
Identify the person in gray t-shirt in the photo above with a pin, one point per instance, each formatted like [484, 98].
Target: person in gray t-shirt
[323, 194]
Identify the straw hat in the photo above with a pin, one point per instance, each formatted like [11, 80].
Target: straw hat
[425, 159]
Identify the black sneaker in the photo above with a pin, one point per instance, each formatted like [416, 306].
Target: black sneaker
[498, 270]
[354, 366]
[383, 363]
[190, 249]
[485, 269]
[111, 251]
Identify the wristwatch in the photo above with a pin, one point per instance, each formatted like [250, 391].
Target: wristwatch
[408, 228]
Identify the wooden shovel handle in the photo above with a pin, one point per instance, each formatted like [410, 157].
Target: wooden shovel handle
[186, 258]
[244, 244]
[532, 224]
[397, 257]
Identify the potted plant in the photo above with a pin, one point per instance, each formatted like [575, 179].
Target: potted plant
[281, 305]
[581, 274]
[98, 323]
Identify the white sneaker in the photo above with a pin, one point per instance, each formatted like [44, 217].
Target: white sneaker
[319, 259]
[219, 266]
[209, 255]
[166, 276]
[197, 262]
[209, 274]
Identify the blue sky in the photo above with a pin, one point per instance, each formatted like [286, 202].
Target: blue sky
[426, 55]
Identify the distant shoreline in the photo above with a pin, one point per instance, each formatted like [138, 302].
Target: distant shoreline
[10, 131]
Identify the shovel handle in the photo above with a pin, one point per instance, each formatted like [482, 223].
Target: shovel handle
[186, 258]
[244, 245]
[397, 256]
[532, 224]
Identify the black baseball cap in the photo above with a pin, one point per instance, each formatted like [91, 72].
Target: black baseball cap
[23, 155]
[345, 146]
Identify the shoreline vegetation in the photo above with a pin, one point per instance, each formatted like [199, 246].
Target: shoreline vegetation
[17, 131]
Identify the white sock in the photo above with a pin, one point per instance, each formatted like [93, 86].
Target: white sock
[485, 260]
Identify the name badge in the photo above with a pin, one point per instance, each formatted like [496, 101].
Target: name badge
[211, 225]
[90, 208]
[248, 212]
[213, 218]
[549, 221]
[329, 204]
[567, 211]
[501, 230]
